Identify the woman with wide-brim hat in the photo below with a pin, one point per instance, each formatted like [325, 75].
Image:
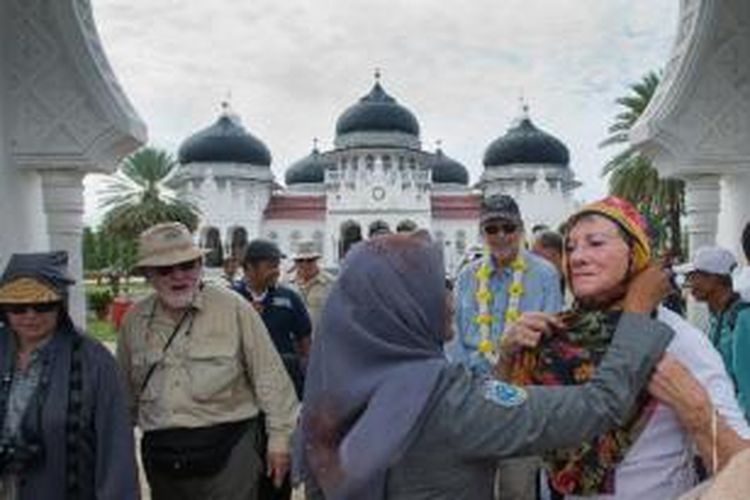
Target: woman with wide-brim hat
[65, 431]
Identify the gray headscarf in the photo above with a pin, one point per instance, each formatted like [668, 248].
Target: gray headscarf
[374, 365]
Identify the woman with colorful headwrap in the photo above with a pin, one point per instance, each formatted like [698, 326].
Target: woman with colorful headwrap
[64, 428]
[650, 456]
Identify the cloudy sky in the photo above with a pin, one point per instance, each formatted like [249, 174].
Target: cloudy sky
[291, 67]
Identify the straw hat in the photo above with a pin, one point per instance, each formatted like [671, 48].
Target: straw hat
[167, 244]
[306, 249]
[33, 278]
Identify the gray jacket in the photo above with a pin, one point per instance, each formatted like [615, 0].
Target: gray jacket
[468, 424]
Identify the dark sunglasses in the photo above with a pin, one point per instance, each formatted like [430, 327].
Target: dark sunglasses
[305, 261]
[43, 307]
[505, 227]
[182, 266]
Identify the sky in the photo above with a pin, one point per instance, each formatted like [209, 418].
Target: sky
[290, 68]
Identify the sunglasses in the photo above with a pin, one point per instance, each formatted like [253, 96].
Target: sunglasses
[305, 261]
[182, 266]
[505, 227]
[43, 307]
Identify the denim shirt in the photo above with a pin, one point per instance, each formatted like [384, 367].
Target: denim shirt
[734, 347]
[541, 292]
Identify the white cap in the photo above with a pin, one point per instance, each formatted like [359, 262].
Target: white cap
[713, 260]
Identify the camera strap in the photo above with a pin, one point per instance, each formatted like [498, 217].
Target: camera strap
[187, 317]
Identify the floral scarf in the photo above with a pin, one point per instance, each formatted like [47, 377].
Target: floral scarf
[570, 358]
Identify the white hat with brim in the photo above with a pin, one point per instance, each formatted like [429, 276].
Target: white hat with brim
[712, 260]
[306, 250]
[166, 245]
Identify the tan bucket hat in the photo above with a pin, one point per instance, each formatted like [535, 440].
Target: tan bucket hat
[306, 249]
[166, 244]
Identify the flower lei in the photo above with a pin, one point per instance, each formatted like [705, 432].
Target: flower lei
[484, 318]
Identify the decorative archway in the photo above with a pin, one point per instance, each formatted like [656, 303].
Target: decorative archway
[238, 242]
[212, 243]
[351, 233]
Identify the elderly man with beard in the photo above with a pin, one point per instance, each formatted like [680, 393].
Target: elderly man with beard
[200, 367]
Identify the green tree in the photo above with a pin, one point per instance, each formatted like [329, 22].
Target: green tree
[633, 177]
[136, 197]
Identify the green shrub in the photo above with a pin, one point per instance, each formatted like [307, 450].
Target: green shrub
[99, 301]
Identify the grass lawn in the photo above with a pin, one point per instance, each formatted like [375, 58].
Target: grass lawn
[102, 330]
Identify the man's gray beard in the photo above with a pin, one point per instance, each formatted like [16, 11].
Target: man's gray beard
[178, 301]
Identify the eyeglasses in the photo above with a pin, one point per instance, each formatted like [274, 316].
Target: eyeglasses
[305, 261]
[182, 266]
[505, 227]
[41, 308]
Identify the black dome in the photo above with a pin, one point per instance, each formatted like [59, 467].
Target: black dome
[447, 170]
[226, 141]
[526, 144]
[310, 169]
[377, 112]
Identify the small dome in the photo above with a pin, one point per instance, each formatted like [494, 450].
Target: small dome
[226, 141]
[308, 170]
[524, 143]
[446, 170]
[377, 112]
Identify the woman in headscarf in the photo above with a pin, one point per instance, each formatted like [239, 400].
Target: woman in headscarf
[64, 431]
[385, 415]
[690, 399]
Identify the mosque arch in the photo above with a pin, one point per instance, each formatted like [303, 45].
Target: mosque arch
[378, 227]
[211, 241]
[406, 225]
[350, 233]
[238, 242]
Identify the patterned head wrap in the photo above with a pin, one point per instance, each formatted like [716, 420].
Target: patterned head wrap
[628, 219]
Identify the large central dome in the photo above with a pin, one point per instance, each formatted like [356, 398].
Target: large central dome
[377, 112]
[524, 143]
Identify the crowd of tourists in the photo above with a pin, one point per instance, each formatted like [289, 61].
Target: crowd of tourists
[559, 367]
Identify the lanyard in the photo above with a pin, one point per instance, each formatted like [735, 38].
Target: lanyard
[187, 317]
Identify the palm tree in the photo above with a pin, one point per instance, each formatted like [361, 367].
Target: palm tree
[633, 177]
[136, 196]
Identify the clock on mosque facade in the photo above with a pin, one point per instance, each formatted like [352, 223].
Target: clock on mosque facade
[378, 193]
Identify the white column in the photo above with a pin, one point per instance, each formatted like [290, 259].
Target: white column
[62, 195]
[702, 204]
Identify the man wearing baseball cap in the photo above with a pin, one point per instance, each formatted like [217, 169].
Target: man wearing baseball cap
[200, 367]
[286, 320]
[709, 277]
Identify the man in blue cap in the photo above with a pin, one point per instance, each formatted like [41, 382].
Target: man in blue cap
[286, 318]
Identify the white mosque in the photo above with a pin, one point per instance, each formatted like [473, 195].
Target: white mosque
[63, 115]
[376, 175]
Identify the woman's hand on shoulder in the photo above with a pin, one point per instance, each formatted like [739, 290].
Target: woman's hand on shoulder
[674, 385]
[648, 289]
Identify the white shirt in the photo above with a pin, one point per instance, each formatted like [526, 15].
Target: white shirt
[659, 465]
[742, 283]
